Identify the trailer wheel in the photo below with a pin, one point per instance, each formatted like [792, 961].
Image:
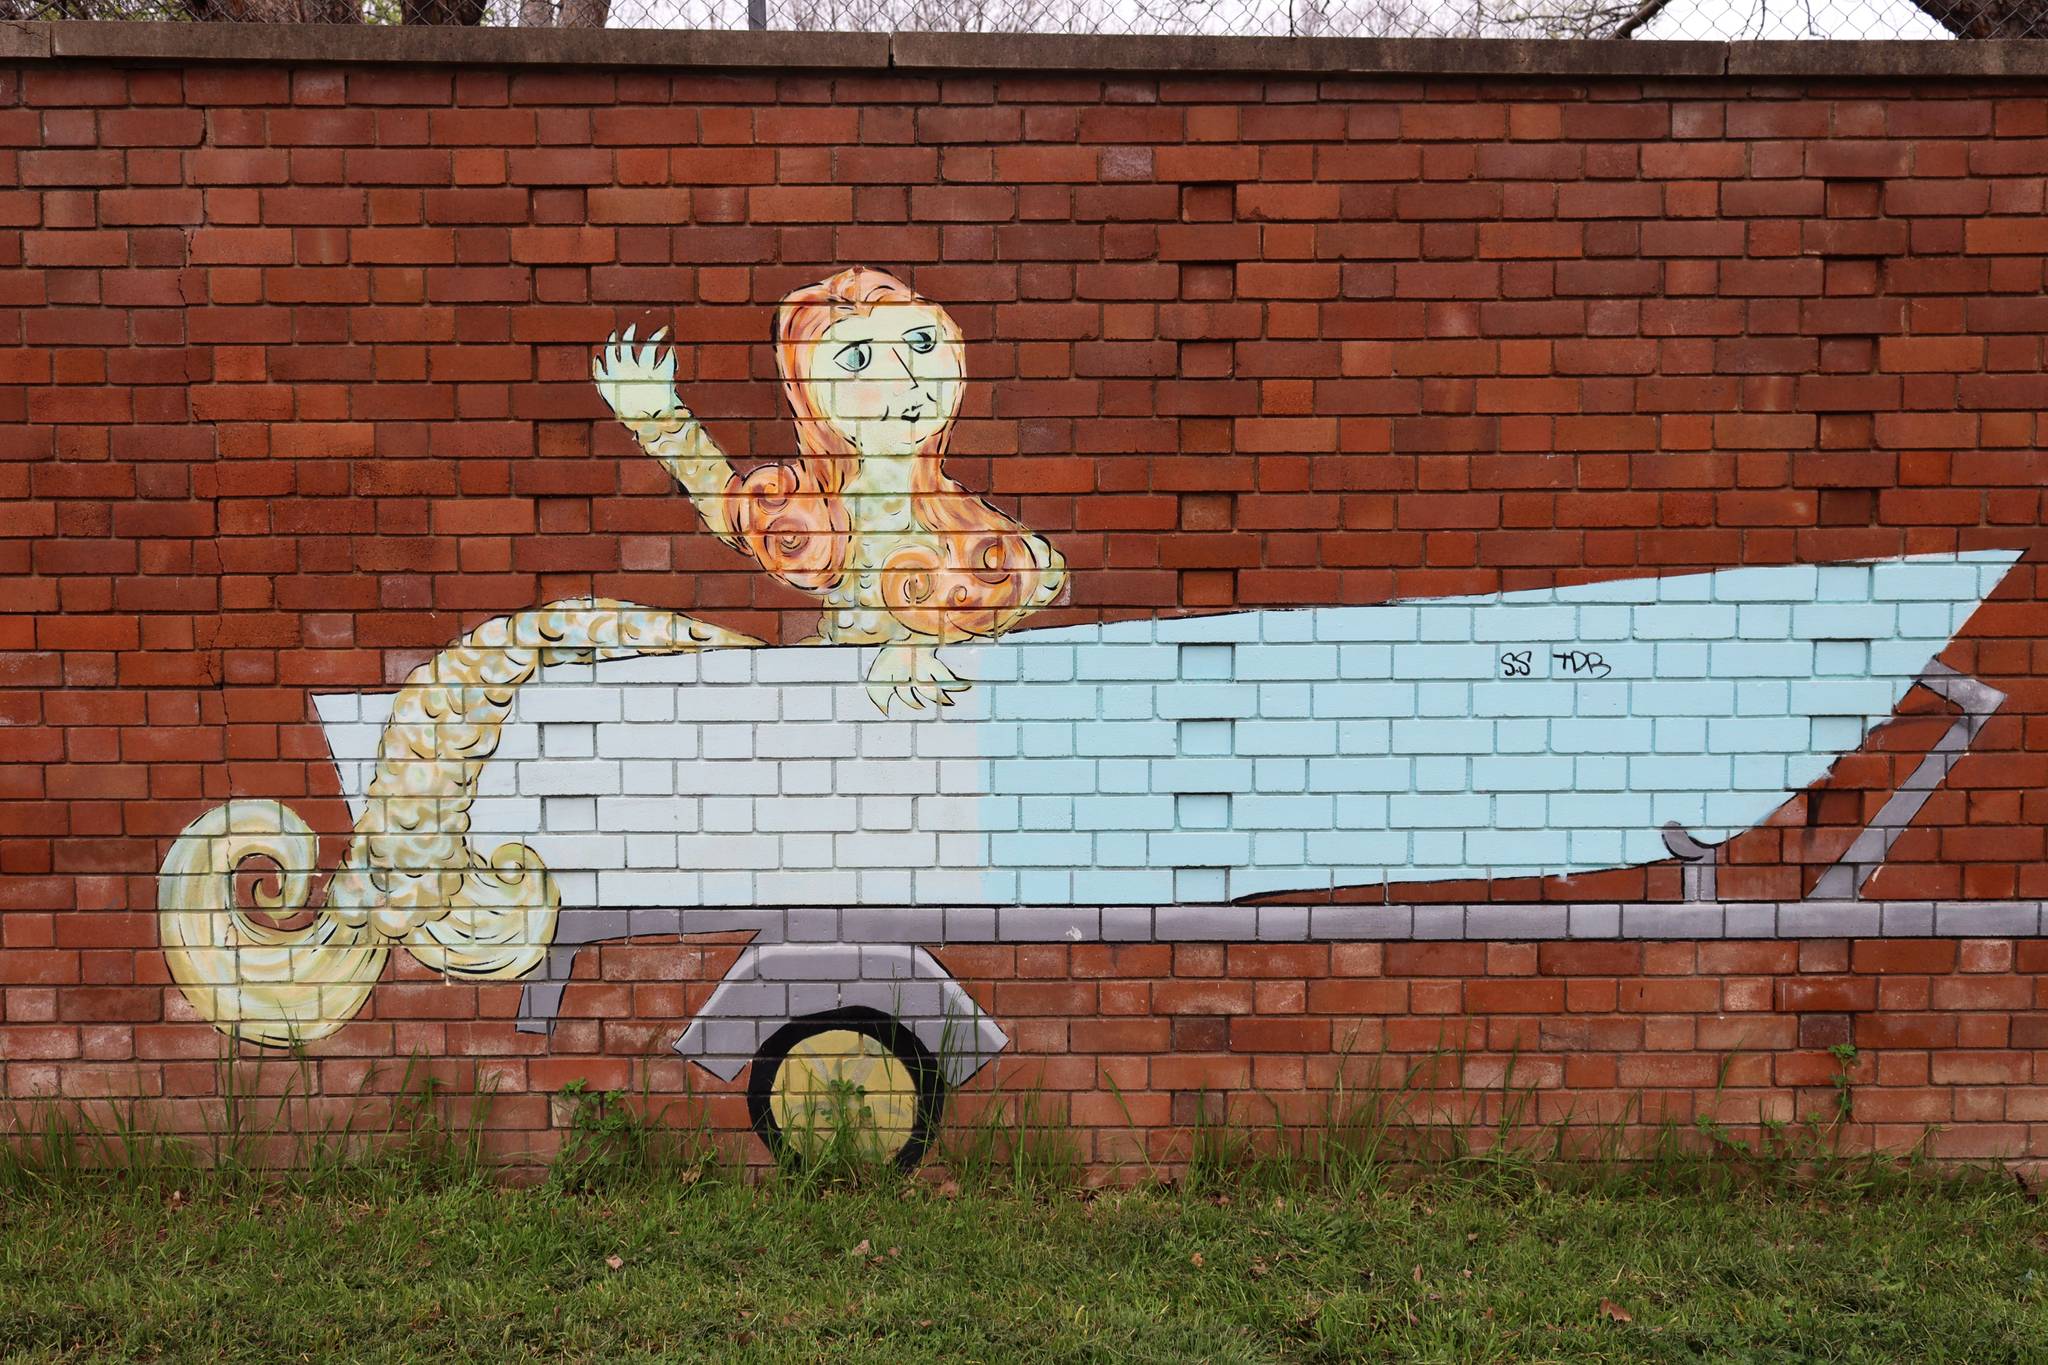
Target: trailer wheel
[853, 1082]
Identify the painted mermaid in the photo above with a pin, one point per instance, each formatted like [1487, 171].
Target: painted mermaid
[902, 557]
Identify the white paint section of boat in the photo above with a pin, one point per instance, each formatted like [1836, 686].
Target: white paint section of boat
[1201, 759]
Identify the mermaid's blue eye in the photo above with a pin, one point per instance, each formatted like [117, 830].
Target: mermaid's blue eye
[922, 339]
[853, 359]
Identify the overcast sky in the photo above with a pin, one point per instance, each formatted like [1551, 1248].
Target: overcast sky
[1695, 19]
[1789, 19]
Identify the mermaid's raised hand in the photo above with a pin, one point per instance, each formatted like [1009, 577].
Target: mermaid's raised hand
[638, 382]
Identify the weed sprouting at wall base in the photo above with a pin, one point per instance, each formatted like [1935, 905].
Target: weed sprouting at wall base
[1381, 1124]
[1368, 1143]
[1371, 1139]
[269, 1127]
[1019, 1139]
[616, 1139]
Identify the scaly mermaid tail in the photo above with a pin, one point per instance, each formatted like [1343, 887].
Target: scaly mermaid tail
[410, 875]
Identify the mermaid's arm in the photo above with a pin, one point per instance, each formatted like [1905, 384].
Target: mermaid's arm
[694, 460]
[639, 384]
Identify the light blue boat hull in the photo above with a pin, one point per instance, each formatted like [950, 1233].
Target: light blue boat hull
[1206, 759]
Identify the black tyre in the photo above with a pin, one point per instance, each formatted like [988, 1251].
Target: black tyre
[852, 1083]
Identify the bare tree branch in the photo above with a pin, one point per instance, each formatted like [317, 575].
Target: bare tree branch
[1643, 14]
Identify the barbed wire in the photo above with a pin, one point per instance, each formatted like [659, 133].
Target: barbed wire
[1639, 20]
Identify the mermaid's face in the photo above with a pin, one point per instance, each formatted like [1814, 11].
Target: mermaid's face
[888, 380]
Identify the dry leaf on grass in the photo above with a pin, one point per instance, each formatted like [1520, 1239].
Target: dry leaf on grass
[615, 1262]
[1614, 1312]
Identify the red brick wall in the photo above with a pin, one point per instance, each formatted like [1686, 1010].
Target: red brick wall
[297, 390]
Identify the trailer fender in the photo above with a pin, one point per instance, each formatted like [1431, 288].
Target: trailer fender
[773, 984]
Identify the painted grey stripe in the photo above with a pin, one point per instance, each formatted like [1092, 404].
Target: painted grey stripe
[839, 933]
[1479, 922]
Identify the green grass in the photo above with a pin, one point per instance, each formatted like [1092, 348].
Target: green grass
[1369, 1235]
[1498, 1264]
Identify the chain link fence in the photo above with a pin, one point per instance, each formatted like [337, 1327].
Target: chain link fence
[1638, 20]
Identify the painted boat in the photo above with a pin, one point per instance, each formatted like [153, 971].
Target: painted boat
[1204, 759]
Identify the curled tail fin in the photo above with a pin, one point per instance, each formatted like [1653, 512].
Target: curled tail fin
[410, 875]
[251, 979]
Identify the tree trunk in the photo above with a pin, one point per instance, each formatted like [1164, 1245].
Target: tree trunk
[585, 13]
[1989, 18]
[463, 13]
[276, 11]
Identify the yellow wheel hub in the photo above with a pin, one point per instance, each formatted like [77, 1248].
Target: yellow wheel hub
[844, 1082]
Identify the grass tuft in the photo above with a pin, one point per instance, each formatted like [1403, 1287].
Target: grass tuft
[619, 1141]
[1018, 1141]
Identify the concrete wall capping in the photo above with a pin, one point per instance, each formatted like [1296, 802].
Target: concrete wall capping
[178, 42]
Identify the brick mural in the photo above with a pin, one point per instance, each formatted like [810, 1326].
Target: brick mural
[1156, 591]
